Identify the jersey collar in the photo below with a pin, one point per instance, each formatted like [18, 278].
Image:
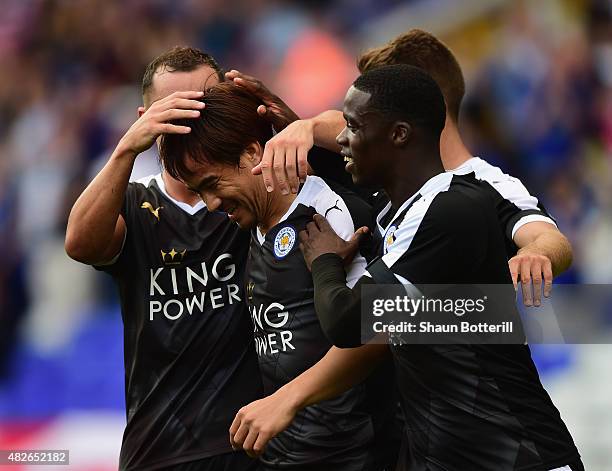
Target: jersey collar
[191, 210]
[434, 185]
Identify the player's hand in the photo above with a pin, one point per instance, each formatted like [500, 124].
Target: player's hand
[285, 157]
[156, 120]
[531, 269]
[319, 238]
[260, 421]
[273, 109]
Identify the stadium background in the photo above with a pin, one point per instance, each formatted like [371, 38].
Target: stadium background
[539, 104]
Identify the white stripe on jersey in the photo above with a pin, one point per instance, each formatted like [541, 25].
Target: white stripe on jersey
[408, 227]
[315, 193]
[510, 188]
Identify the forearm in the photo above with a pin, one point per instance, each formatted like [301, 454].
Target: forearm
[338, 307]
[553, 245]
[335, 373]
[94, 216]
[326, 127]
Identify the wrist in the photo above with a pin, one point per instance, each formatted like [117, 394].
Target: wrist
[124, 152]
[293, 396]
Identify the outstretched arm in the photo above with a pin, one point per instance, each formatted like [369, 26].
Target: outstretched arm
[339, 370]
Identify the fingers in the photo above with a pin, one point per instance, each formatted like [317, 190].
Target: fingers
[536, 278]
[535, 273]
[265, 167]
[302, 163]
[172, 114]
[291, 170]
[240, 436]
[234, 428]
[359, 233]
[172, 129]
[363, 230]
[280, 172]
[322, 223]
[548, 277]
[260, 444]
[312, 226]
[179, 104]
[513, 264]
[525, 274]
[252, 84]
[249, 442]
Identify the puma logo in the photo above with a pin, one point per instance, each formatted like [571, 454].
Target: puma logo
[149, 206]
[335, 206]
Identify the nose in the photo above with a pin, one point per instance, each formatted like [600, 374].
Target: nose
[213, 202]
[341, 139]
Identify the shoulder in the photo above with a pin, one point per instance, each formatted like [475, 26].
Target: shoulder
[508, 186]
[465, 203]
[330, 204]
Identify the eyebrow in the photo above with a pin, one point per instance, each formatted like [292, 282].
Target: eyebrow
[206, 181]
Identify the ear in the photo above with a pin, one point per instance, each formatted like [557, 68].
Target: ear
[253, 153]
[141, 110]
[401, 133]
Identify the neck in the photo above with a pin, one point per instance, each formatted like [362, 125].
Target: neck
[177, 190]
[275, 206]
[411, 174]
[452, 149]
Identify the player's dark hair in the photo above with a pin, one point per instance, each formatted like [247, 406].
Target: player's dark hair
[422, 49]
[179, 59]
[406, 93]
[225, 128]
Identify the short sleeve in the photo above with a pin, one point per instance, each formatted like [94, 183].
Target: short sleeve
[515, 205]
[440, 242]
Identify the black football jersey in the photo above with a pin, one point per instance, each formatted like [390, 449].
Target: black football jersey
[190, 361]
[467, 407]
[335, 434]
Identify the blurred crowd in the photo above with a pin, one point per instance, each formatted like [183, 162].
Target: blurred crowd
[539, 105]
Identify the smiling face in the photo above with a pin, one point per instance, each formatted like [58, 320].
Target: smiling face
[365, 140]
[234, 190]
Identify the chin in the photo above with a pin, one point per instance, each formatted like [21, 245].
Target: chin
[358, 180]
[246, 224]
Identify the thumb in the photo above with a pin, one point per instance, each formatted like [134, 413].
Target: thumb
[359, 234]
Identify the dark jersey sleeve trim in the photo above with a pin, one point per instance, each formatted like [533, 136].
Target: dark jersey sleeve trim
[338, 307]
[381, 273]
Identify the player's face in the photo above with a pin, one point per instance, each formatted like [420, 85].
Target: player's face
[235, 191]
[363, 140]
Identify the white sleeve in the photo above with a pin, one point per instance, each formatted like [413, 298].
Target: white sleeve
[333, 207]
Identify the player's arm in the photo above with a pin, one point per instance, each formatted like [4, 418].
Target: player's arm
[544, 252]
[451, 239]
[285, 160]
[339, 370]
[96, 229]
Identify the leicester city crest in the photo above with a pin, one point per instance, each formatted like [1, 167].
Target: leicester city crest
[284, 241]
[389, 238]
